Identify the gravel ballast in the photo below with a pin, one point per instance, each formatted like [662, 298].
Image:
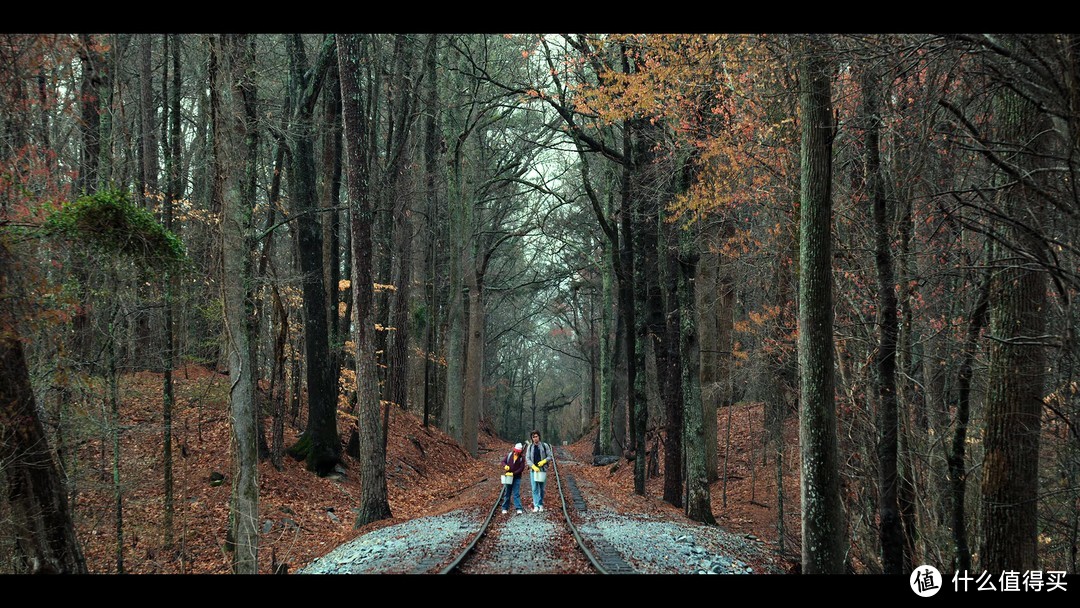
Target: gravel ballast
[397, 549]
[650, 546]
[653, 546]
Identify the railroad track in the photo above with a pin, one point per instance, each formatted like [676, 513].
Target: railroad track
[486, 554]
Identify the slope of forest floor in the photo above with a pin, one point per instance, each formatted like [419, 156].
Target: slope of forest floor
[751, 495]
[303, 516]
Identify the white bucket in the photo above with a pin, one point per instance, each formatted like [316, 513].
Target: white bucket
[539, 476]
[507, 479]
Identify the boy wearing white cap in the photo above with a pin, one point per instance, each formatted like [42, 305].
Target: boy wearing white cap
[514, 464]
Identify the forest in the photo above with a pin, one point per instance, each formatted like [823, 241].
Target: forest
[620, 238]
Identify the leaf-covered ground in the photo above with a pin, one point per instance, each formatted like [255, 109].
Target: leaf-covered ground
[303, 516]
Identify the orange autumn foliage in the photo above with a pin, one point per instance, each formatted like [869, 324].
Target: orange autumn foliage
[719, 99]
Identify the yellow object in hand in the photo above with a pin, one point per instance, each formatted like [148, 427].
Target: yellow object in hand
[509, 474]
[536, 468]
[542, 462]
[506, 467]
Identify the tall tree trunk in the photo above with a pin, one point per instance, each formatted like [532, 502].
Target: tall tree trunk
[671, 369]
[263, 275]
[329, 187]
[1014, 395]
[477, 258]
[891, 533]
[91, 88]
[823, 535]
[587, 415]
[320, 444]
[781, 529]
[402, 103]
[911, 399]
[607, 352]
[110, 171]
[174, 192]
[956, 460]
[94, 63]
[373, 502]
[277, 381]
[725, 326]
[45, 539]
[233, 90]
[329, 197]
[707, 307]
[266, 274]
[781, 378]
[934, 414]
[715, 300]
[201, 237]
[474, 358]
[112, 397]
[147, 180]
[649, 221]
[455, 353]
[627, 311]
[426, 262]
[398, 358]
[698, 501]
[148, 144]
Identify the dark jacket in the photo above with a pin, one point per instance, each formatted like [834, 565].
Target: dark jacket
[517, 466]
[545, 454]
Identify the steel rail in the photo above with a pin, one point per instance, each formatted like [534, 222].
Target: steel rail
[464, 554]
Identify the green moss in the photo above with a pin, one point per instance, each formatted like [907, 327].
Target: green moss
[109, 222]
[301, 448]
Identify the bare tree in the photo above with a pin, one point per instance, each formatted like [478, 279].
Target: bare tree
[373, 504]
[822, 513]
[233, 98]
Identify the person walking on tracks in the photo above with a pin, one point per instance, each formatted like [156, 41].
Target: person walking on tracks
[513, 465]
[537, 457]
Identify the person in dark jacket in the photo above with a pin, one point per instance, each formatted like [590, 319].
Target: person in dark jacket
[537, 457]
[513, 464]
